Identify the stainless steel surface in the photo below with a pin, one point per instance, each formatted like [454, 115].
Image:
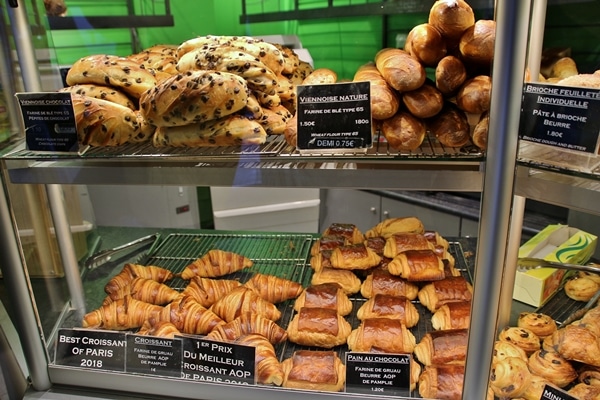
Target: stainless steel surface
[528, 263]
[104, 256]
[512, 23]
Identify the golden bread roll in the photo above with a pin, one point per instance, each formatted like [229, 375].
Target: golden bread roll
[382, 334]
[382, 282]
[442, 382]
[349, 231]
[399, 69]
[477, 43]
[318, 327]
[553, 367]
[389, 226]
[101, 92]
[321, 260]
[424, 102]
[232, 130]
[504, 349]
[581, 289]
[114, 71]
[452, 18]
[325, 295]
[442, 347]
[417, 266]
[474, 95]
[479, 136]
[131, 271]
[345, 278]
[541, 325]
[387, 306]
[401, 242]
[321, 76]
[354, 257]
[403, 131]
[194, 97]
[384, 100]
[510, 377]
[521, 337]
[448, 290]
[104, 123]
[314, 370]
[425, 43]
[454, 315]
[450, 74]
[450, 126]
[575, 343]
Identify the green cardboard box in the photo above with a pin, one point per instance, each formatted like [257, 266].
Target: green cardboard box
[560, 243]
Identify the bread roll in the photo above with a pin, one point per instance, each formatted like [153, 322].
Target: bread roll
[157, 59]
[384, 100]
[448, 290]
[314, 370]
[399, 69]
[243, 300]
[477, 43]
[450, 126]
[480, 133]
[327, 243]
[474, 95]
[451, 18]
[425, 43]
[450, 74]
[424, 102]
[321, 76]
[403, 131]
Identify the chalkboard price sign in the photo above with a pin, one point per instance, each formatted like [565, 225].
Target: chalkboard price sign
[552, 393]
[95, 349]
[336, 116]
[153, 355]
[381, 374]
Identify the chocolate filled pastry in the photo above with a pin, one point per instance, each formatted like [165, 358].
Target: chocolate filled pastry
[504, 349]
[510, 377]
[389, 226]
[417, 265]
[348, 280]
[443, 347]
[541, 324]
[326, 295]
[349, 231]
[436, 239]
[319, 327]
[575, 343]
[442, 382]
[355, 256]
[377, 244]
[522, 337]
[401, 242]
[454, 315]
[386, 306]
[314, 370]
[553, 367]
[383, 335]
[448, 290]
[321, 261]
[382, 282]
[327, 242]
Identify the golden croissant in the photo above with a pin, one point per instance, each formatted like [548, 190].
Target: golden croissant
[216, 263]
[190, 317]
[145, 290]
[207, 291]
[132, 271]
[249, 323]
[242, 300]
[268, 367]
[274, 289]
[122, 314]
[154, 327]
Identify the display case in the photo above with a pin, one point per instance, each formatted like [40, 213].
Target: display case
[277, 164]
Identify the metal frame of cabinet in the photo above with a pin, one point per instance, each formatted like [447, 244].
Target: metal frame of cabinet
[500, 181]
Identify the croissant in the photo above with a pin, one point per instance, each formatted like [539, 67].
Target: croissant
[268, 367]
[442, 382]
[401, 242]
[576, 343]
[388, 227]
[509, 377]
[154, 327]
[319, 327]
[314, 370]
[454, 315]
[206, 290]
[355, 256]
[132, 271]
[382, 334]
[436, 294]
[216, 263]
[146, 290]
[325, 295]
[122, 314]
[442, 347]
[249, 323]
[274, 289]
[417, 265]
[242, 300]
[190, 317]
[348, 231]
[382, 282]
[386, 306]
[346, 279]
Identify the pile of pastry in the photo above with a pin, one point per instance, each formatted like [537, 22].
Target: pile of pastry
[207, 91]
[537, 354]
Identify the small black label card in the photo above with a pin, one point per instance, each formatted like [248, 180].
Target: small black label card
[153, 355]
[374, 373]
[560, 116]
[212, 361]
[552, 393]
[49, 121]
[85, 348]
[336, 116]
